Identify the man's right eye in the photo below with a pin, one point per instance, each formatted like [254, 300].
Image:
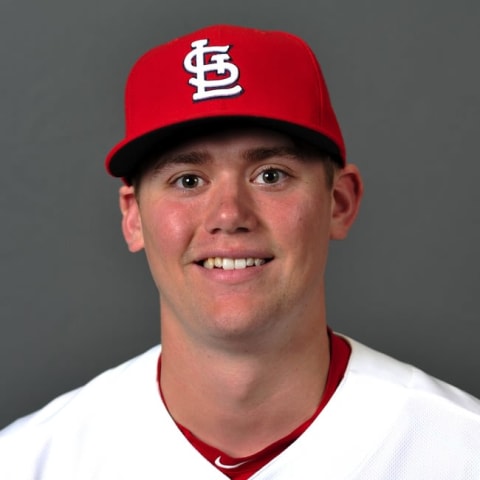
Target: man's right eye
[188, 181]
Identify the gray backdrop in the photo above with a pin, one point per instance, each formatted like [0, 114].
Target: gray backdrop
[404, 78]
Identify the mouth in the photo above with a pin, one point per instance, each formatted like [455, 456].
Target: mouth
[226, 263]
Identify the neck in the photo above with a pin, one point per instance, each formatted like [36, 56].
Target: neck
[242, 402]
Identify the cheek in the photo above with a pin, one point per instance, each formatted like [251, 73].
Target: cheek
[307, 216]
[167, 230]
[306, 231]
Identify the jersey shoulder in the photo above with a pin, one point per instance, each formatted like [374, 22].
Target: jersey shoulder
[417, 386]
[87, 418]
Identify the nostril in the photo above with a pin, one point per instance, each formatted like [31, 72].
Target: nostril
[230, 230]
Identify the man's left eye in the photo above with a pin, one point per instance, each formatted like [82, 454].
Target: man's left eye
[270, 176]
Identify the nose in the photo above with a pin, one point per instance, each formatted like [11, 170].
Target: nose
[231, 208]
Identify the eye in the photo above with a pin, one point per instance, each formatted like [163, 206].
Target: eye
[270, 176]
[189, 181]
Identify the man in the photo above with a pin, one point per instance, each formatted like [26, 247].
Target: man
[235, 180]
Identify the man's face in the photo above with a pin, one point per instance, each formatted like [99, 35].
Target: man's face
[235, 226]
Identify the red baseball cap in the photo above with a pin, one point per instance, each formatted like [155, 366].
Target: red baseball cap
[223, 73]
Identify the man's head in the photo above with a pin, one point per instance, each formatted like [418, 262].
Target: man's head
[239, 182]
[236, 225]
[218, 76]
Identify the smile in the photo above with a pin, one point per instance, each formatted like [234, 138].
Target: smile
[232, 263]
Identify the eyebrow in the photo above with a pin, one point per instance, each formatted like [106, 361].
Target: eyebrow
[188, 158]
[200, 157]
[264, 153]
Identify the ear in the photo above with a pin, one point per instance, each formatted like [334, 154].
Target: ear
[347, 192]
[131, 221]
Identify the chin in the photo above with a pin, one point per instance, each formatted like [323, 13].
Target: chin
[233, 327]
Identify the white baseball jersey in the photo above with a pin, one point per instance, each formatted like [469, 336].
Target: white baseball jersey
[386, 420]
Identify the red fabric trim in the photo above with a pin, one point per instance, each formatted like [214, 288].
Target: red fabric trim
[339, 355]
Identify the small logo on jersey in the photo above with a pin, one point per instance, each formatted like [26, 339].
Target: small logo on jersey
[219, 463]
[215, 74]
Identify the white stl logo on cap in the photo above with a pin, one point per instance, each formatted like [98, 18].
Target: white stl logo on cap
[197, 62]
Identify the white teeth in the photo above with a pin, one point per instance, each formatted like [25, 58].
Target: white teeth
[240, 263]
[232, 263]
[228, 264]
